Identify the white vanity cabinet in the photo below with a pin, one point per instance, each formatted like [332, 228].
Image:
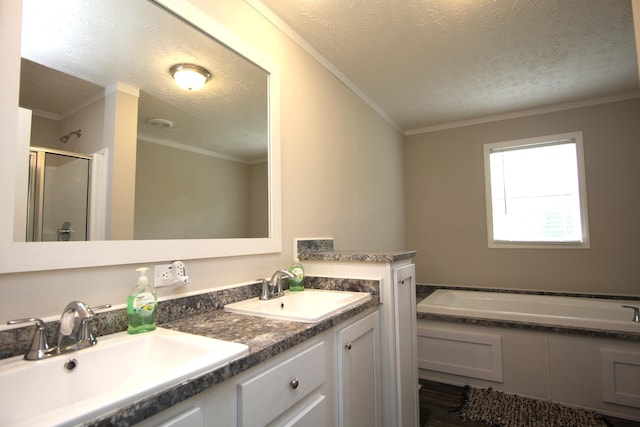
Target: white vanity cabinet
[398, 334]
[332, 378]
[359, 394]
[406, 347]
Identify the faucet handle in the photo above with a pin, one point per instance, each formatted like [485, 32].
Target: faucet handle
[100, 307]
[39, 347]
[264, 294]
[86, 337]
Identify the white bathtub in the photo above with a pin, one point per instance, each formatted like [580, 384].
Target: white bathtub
[574, 312]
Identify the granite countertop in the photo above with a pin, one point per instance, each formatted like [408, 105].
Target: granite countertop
[357, 256]
[266, 338]
[323, 250]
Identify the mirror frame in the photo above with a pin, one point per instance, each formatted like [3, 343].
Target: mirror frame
[23, 256]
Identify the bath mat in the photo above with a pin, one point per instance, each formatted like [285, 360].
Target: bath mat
[496, 408]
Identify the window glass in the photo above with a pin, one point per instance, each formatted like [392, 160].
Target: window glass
[535, 192]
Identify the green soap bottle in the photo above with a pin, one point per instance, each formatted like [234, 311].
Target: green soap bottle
[141, 305]
[296, 284]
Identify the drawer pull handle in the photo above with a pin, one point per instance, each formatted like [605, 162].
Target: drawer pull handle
[348, 346]
[294, 383]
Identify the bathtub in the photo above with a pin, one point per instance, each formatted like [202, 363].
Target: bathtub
[577, 351]
[571, 312]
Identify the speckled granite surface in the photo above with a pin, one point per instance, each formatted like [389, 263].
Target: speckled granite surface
[625, 336]
[423, 291]
[322, 250]
[14, 342]
[314, 245]
[354, 256]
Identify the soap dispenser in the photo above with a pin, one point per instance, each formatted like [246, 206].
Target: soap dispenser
[296, 284]
[141, 305]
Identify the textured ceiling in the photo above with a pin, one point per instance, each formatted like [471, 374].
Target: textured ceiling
[73, 49]
[433, 62]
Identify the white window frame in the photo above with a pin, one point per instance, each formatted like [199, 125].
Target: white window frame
[577, 138]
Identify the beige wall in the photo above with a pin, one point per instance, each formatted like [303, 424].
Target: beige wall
[209, 198]
[259, 200]
[446, 214]
[341, 177]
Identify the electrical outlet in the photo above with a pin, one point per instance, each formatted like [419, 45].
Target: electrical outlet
[178, 269]
[162, 273]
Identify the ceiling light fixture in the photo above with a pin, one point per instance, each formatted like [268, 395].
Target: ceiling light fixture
[190, 76]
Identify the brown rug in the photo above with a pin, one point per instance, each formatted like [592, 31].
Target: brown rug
[496, 408]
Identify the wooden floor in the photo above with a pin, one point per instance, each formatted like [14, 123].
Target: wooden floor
[438, 400]
[436, 404]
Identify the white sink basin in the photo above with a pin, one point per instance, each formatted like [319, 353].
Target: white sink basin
[309, 306]
[120, 369]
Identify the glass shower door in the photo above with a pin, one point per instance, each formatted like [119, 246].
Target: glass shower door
[58, 196]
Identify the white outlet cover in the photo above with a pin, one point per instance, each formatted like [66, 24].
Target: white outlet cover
[161, 273]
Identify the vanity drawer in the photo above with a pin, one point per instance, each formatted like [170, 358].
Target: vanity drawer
[272, 392]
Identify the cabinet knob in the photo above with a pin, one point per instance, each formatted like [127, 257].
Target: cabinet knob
[348, 346]
[294, 383]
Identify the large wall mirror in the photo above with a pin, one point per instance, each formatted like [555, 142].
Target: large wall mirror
[115, 162]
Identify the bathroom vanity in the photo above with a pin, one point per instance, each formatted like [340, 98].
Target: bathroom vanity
[356, 367]
[325, 381]
[351, 378]
[287, 371]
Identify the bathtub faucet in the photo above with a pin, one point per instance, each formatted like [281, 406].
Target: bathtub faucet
[636, 312]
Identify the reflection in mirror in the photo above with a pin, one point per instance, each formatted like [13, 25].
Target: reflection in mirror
[57, 205]
[167, 163]
[17, 256]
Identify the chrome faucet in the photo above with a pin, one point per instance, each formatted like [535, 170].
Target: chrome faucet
[277, 284]
[67, 335]
[636, 312]
[70, 338]
[273, 288]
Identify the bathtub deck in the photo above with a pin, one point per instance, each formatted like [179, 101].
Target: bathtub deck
[565, 313]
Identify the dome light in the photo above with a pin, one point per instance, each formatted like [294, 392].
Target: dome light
[190, 76]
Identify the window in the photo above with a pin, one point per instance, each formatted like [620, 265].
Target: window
[536, 193]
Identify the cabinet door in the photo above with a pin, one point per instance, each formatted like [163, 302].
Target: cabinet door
[359, 373]
[406, 348]
[312, 415]
[188, 413]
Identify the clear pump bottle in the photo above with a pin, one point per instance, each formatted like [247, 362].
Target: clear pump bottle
[141, 305]
[296, 284]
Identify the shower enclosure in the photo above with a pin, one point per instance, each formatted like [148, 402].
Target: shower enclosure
[58, 197]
